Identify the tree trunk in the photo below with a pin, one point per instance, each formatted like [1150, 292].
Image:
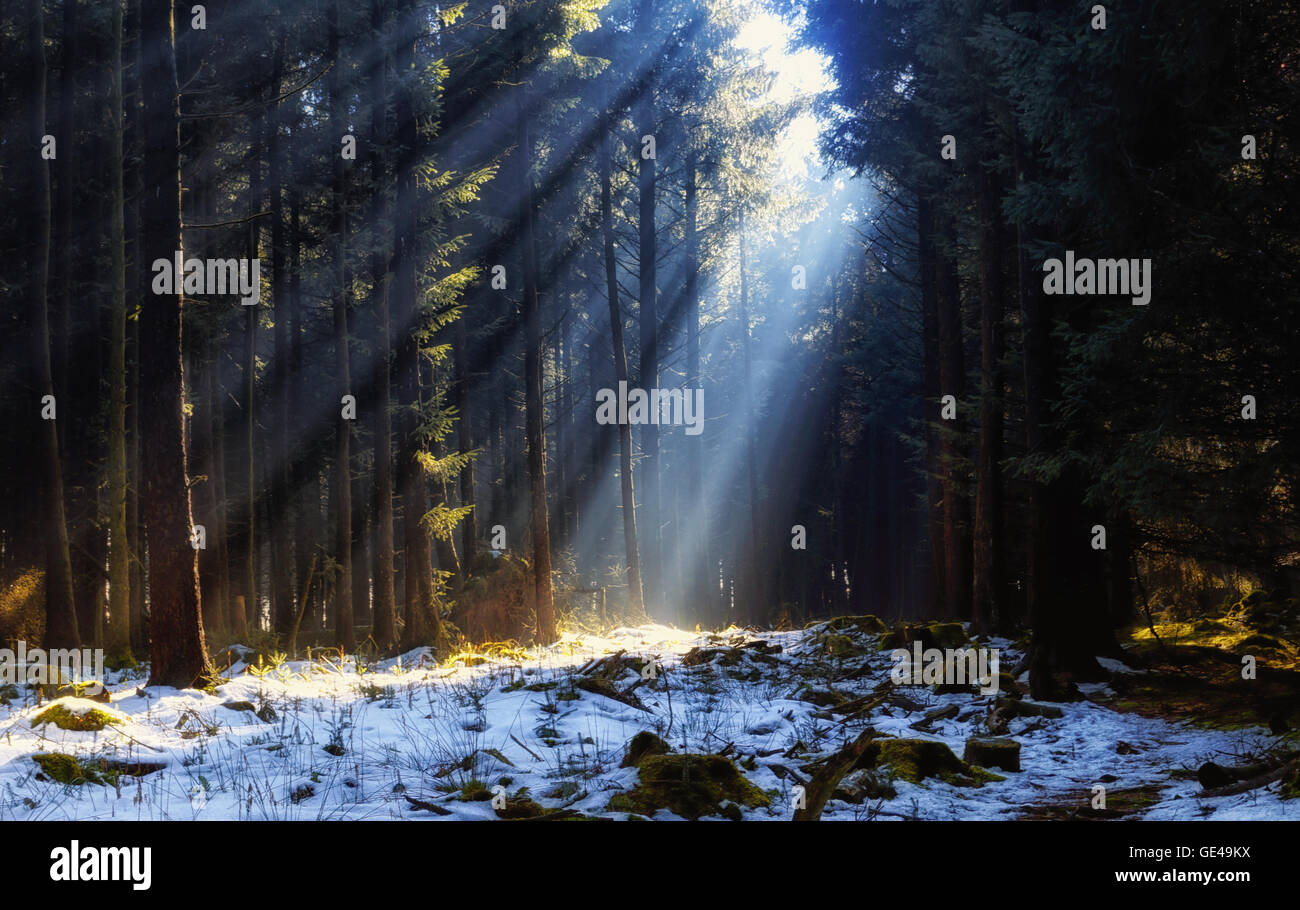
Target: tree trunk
[118, 641]
[60, 603]
[283, 608]
[423, 625]
[179, 655]
[758, 609]
[988, 569]
[384, 629]
[956, 507]
[635, 599]
[648, 254]
[343, 622]
[931, 385]
[533, 416]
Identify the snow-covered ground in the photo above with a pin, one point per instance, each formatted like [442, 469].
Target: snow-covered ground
[349, 742]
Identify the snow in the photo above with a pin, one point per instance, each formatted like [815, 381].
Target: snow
[408, 727]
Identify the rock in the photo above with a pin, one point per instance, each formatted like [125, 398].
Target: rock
[239, 706]
[868, 624]
[1123, 748]
[84, 690]
[859, 786]
[691, 786]
[914, 760]
[993, 753]
[642, 745]
[822, 698]
[942, 635]
[838, 646]
[77, 714]
[66, 769]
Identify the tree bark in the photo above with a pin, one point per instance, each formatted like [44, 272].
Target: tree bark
[988, 556]
[60, 603]
[539, 522]
[119, 557]
[343, 620]
[178, 651]
[635, 598]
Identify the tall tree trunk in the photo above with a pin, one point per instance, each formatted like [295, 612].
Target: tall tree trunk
[138, 285]
[931, 388]
[534, 419]
[119, 557]
[66, 199]
[179, 655]
[757, 609]
[343, 624]
[699, 600]
[956, 507]
[648, 254]
[635, 598]
[283, 607]
[423, 624]
[384, 629]
[60, 604]
[988, 569]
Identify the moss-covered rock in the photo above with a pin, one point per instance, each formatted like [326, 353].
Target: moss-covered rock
[642, 745]
[833, 645]
[77, 714]
[942, 635]
[859, 786]
[691, 786]
[914, 760]
[822, 698]
[868, 624]
[67, 769]
[993, 753]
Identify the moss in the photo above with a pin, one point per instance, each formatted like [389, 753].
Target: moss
[822, 698]
[993, 753]
[1007, 684]
[838, 646]
[239, 706]
[868, 624]
[691, 786]
[76, 714]
[942, 635]
[475, 791]
[642, 745]
[66, 769]
[914, 760]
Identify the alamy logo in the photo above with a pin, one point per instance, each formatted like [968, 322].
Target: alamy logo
[1129, 277]
[58, 665]
[209, 276]
[658, 407]
[75, 863]
[953, 666]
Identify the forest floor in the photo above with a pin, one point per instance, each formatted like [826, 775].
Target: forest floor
[748, 721]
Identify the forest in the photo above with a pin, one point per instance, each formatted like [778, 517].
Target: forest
[620, 351]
